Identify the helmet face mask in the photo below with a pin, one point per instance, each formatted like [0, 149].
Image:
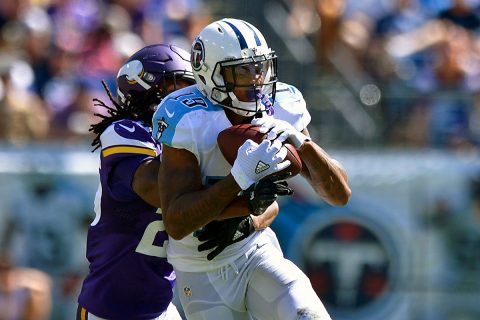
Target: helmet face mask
[234, 67]
[245, 74]
[258, 73]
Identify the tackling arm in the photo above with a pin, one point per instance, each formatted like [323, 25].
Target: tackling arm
[239, 208]
[145, 182]
[219, 234]
[265, 220]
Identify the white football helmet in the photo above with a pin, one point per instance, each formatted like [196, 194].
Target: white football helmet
[229, 54]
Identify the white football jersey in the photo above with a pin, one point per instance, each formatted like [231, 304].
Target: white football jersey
[186, 119]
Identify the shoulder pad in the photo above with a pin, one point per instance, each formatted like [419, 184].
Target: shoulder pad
[287, 90]
[128, 136]
[180, 115]
[291, 106]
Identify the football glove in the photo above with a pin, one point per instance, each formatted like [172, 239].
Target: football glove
[266, 191]
[281, 130]
[256, 161]
[218, 235]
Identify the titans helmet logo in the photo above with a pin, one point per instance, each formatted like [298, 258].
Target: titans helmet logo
[197, 55]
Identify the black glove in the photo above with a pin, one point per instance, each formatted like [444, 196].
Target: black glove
[222, 233]
[266, 191]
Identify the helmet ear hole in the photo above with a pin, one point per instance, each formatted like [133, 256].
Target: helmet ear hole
[202, 78]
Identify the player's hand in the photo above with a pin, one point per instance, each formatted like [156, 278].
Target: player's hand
[266, 191]
[218, 235]
[281, 130]
[256, 161]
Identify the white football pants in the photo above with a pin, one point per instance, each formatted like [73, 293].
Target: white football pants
[261, 285]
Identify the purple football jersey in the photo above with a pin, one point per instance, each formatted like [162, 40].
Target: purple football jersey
[129, 276]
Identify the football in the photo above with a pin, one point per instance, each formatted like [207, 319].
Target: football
[230, 139]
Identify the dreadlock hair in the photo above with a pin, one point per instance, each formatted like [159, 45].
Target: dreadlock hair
[128, 110]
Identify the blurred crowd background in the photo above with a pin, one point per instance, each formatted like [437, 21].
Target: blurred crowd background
[392, 73]
[54, 54]
[393, 88]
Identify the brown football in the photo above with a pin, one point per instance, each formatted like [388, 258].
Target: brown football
[230, 139]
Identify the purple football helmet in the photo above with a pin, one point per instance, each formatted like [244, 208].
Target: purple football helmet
[142, 80]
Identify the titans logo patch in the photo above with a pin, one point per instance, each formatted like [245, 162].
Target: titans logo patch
[162, 125]
[198, 55]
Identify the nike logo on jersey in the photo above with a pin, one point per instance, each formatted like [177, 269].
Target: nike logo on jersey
[132, 129]
[261, 166]
[169, 114]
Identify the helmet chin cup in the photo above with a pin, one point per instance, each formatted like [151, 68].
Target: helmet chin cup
[243, 108]
[246, 109]
[240, 112]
